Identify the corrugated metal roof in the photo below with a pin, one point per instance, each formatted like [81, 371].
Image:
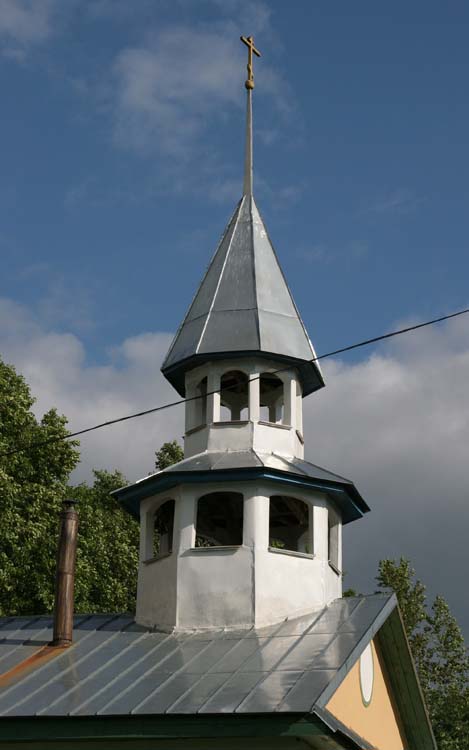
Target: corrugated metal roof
[116, 667]
[211, 465]
[243, 305]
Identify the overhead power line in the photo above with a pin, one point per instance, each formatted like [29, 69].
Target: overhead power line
[171, 404]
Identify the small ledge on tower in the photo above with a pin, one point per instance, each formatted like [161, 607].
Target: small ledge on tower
[198, 428]
[291, 552]
[156, 559]
[334, 568]
[275, 424]
[228, 548]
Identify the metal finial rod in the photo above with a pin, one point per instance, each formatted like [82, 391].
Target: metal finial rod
[249, 42]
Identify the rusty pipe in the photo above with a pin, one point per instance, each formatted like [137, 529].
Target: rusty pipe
[65, 575]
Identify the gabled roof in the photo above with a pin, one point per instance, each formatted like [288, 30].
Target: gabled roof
[116, 668]
[243, 306]
[213, 466]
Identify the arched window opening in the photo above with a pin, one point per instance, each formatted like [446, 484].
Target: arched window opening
[234, 396]
[289, 524]
[272, 407]
[333, 538]
[299, 408]
[200, 403]
[219, 520]
[163, 523]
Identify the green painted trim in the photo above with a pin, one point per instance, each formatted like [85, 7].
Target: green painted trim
[267, 743]
[405, 686]
[65, 728]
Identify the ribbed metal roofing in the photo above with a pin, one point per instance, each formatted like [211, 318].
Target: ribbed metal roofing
[243, 306]
[211, 466]
[116, 667]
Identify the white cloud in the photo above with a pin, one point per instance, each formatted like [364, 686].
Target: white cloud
[56, 367]
[396, 423]
[183, 82]
[24, 23]
[401, 200]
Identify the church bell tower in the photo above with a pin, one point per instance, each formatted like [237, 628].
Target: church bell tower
[243, 532]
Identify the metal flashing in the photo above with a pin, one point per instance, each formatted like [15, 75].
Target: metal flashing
[224, 466]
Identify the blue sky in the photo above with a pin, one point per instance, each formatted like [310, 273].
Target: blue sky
[122, 144]
[360, 154]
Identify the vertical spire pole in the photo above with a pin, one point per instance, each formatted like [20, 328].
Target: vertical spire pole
[249, 84]
[247, 188]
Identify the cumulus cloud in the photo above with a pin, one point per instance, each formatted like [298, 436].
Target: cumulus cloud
[56, 367]
[24, 23]
[396, 423]
[184, 80]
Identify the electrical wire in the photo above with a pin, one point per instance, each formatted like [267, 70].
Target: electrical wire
[171, 404]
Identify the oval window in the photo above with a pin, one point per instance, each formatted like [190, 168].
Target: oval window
[366, 674]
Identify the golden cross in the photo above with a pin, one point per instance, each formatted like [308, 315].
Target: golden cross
[249, 42]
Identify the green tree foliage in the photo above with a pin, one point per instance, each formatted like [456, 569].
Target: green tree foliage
[439, 652]
[33, 483]
[108, 542]
[169, 454]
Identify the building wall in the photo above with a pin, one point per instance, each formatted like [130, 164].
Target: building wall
[239, 586]
[378, 722]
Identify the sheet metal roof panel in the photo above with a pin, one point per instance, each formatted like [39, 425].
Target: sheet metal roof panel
[273, 294]
[306, 691]
[110, 683]
[115, 667]
[269, 693]
[227, 698]
[238, 330]
[236, 289]
[201, 303]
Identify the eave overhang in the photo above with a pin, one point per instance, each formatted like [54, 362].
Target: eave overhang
[345, 495]
[310, 375]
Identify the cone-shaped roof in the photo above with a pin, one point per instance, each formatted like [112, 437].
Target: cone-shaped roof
[243, 306]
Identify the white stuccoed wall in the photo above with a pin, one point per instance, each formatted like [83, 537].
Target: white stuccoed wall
[216, 435]
[247, 585]
[233, 587]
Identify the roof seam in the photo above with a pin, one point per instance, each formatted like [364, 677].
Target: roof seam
[130, 686]
[212, 304]
[186, 316]
[170, 678]
[34, 674]
[254, 272]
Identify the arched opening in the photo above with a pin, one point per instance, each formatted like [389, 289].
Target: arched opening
[162, 532]
[289, 526]
[234, 396]
[333, 538]
[219, 520]
[200, 403]
[272, 403]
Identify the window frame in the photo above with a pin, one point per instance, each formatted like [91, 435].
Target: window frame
[310, 529]
[151, 517]
[212, 547]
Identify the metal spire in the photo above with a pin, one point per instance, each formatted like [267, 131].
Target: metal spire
[249, 42]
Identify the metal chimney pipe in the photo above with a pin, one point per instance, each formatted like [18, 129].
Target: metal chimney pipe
[65, 575]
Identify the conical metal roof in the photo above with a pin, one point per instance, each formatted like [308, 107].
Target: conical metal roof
[243, 307]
